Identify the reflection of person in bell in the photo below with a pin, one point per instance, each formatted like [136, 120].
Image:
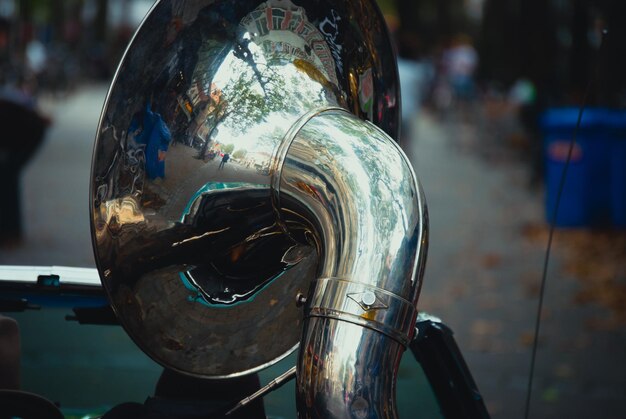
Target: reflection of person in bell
[156, 136]
[224, 161]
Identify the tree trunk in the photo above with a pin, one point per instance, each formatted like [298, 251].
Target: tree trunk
[538, 47]
[101, 21]
[611, 83]
[499, 43]
[56, 11]
[580, 56]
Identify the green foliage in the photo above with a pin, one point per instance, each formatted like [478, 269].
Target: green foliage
[228, 148]
[259, 90]
[240, 154]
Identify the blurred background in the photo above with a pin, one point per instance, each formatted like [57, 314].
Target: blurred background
[491, 92]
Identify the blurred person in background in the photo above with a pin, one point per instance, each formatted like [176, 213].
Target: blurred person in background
[460, 62]
[415, 74]
[523, 98]
[24, 127]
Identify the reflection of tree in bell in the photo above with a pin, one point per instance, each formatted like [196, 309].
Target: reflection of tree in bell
[228, 149]
[244, 101]
[240, 154]
[242, 52]
[221, 107]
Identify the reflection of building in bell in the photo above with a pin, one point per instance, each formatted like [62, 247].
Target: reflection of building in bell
[208, 110]
[268, 25]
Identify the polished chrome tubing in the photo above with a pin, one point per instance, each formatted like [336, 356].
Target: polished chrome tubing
[202, 259]
[346, 187]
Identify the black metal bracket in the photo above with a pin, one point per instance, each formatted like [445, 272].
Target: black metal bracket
[436, 350]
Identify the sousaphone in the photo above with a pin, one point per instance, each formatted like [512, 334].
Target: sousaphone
[248, 197]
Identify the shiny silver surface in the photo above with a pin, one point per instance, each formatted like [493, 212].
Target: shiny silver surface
[203, 261]
[352, 189]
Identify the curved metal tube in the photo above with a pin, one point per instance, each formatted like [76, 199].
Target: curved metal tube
[351, 189]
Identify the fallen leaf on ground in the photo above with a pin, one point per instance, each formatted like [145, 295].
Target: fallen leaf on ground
[491, 260]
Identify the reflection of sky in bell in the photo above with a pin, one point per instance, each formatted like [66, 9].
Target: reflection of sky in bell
[285, 79]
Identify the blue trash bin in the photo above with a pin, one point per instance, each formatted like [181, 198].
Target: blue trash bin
[585, 199]
[616, 124]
